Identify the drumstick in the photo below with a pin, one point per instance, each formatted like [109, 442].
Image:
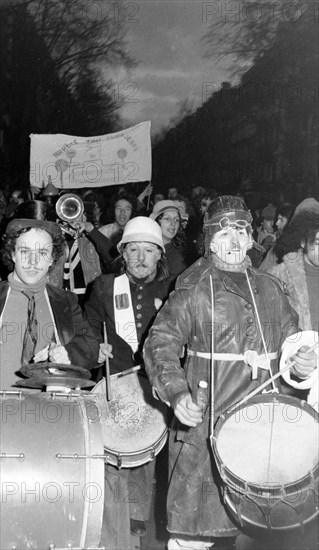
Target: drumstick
[270, 380]
[148, 202]
[107, 367]
[127, 371]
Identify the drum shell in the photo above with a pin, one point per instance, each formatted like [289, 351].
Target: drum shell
[132, 401]
[269, 506]
[52, 487]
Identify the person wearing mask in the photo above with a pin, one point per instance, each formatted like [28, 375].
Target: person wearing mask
[38, 322]
[214, 312]
[128, 303]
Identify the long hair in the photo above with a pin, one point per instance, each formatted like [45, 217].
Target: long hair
[302, 229]
[9, 244]
[109, 214]
[179, 240]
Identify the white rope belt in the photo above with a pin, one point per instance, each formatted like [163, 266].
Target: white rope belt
[250, 357]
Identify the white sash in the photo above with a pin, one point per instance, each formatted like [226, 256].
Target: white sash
[123, 311]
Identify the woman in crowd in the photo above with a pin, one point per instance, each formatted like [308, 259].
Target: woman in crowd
[167, 215]
[284, 215]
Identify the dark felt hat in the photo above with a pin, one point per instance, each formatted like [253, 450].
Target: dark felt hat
[25, 223]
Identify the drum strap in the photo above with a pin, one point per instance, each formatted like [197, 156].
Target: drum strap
[250, 357]
[123, 311]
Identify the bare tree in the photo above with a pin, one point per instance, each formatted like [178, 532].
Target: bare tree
[245, 30]
[80, 36]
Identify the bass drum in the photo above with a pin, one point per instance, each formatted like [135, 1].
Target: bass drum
[267, 455]
[135, 429]
[52, 470]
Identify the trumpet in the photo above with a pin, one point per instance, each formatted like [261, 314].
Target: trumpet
[69, 209]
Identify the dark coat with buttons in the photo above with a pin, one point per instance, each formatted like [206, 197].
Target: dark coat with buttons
[146, 300]
[194, 502]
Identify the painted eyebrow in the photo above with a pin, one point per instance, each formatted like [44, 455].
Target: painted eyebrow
[28, 248]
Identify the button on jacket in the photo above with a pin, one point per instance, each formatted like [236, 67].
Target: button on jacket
[186, 319]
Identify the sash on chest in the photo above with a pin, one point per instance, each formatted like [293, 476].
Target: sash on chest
[123, 311]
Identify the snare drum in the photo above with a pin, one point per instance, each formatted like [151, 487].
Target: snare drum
[52, 470]
[135, 429]
[266, 452]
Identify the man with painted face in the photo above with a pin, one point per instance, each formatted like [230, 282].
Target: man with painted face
[232, 319]
[58, 332]
[128, 303]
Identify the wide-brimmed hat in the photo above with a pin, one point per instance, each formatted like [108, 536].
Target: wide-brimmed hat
[25, 223]
[141, 229]
[161, 206]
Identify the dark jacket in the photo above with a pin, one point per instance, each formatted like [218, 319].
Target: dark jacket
[146, 299]
[186, 319]
[74, 332]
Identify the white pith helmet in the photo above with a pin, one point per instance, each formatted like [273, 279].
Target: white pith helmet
[141, 229]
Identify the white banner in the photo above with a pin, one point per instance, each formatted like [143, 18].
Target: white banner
[75, 162]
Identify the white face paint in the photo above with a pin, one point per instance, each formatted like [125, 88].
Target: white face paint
[32, 256]
[141, 259]
[230, 245]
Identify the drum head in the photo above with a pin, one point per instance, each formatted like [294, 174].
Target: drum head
[135, 419]
[269, 441]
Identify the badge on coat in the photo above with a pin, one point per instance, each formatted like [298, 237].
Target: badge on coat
[121, 301]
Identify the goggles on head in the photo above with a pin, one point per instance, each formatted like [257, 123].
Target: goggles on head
[225, 223]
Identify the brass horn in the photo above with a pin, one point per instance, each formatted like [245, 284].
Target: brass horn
[69, 208]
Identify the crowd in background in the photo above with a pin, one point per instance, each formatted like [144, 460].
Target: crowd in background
[108, 209]
[124, 230]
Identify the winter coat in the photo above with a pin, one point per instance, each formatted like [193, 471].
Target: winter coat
[147, 298]
[74, 332]
[291, 273]
[194, 502]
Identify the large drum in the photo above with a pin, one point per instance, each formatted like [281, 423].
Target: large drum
[267, 455]
[52, 470]
[135, 429]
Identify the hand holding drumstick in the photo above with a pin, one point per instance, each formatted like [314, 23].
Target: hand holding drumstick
[304, 362]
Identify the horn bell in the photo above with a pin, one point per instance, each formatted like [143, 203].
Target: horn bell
[69, 207]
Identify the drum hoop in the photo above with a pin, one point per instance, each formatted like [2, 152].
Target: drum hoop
[137, 453]
[239, 484]
[266, 398]
[125, 455]
[247, 487]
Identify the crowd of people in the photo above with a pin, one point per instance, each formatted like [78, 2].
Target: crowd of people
[189, 289]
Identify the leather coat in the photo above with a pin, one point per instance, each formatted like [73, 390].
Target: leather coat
[186, 320]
